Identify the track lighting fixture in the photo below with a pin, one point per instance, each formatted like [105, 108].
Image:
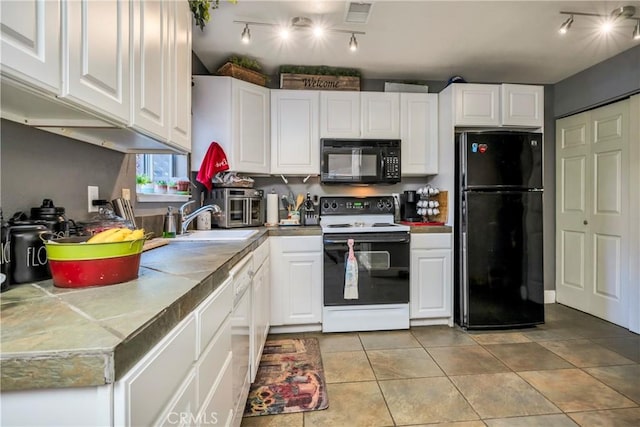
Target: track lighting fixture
[246, 34]
[353, 43]
[299, 23]
[618, 14]
[566, 25]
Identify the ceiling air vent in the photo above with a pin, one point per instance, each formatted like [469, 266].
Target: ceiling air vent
[358, 12]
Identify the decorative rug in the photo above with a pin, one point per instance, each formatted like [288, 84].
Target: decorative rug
[290, 378]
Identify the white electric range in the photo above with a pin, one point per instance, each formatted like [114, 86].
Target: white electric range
[381, 249]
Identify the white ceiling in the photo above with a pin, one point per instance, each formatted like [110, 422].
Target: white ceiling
[482, 41]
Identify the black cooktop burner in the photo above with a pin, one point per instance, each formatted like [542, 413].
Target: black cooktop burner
[339, 225]
[381, 224]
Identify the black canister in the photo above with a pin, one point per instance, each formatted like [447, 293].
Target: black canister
[52, 217]
[26, 253]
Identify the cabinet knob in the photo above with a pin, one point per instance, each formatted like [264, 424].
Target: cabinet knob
[585, 222]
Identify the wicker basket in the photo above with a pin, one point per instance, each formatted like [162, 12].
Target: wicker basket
[238, 72]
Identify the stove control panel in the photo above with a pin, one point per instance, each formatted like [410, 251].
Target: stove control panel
[347, 205]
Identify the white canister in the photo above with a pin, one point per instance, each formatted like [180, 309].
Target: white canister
[203, 221]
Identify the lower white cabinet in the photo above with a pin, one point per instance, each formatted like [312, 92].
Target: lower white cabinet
[296, 280]
[261, 301]
[431, 278]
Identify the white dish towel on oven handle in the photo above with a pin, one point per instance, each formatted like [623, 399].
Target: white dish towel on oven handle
[351, 274]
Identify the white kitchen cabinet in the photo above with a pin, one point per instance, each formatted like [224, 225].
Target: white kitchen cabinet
[235, 114]
[419, 133]
[359, 115]
[295, 142]
[431, 279]
[339, 114]
[145, 392]
[296, 280]
[261, 309]
[476, 104]
[492, 105]
[522, 105]
[150, 37]
[180, 32]
[96, 75]
[380, 114]
[30, 43]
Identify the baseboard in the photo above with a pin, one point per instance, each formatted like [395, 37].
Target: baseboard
[549, 297]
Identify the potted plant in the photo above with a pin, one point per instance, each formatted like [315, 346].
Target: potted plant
[183, 185]
[160, 187]
[172, 187]
[200, 10]
[143, 184]
[243, 68]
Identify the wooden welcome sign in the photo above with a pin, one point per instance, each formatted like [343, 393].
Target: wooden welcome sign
[318, 82]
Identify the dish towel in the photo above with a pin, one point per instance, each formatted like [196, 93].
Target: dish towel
[214, 161]
[351, 274]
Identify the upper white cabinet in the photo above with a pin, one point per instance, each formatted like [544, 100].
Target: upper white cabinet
[295, 142]
[180, 74]
[489, 105]
[431, 278]
[96, 45]
[296, 280]
[419, 133]
[522, 105]
[151, 67]
[380, 115]
[476, 104]
[339, 114]
[30, 31]
[235, 114]
[359, 115]
[112, 73]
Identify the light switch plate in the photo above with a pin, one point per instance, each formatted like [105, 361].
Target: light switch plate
[92, 194]
[126, 194]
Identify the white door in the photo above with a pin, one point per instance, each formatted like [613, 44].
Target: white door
[30, 33]
[97, 73]
[592, 212]
[295, 145]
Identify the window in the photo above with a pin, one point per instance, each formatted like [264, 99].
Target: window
[161, 167]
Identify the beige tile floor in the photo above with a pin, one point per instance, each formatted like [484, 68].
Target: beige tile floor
[573, 370]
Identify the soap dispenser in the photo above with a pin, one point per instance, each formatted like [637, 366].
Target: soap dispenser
[169, 229]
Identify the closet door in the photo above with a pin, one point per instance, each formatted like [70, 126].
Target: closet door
[592, 218]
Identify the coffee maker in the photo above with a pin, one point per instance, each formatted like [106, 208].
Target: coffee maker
[408, 207]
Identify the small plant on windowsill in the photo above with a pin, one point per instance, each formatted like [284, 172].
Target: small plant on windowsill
[160, 187]
[172, 187]
[143, 184]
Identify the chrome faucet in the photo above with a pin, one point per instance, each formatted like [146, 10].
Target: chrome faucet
[185, 219]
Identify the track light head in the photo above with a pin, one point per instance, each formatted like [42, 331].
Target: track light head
[246, 34]
[353, 43]
[566, 25]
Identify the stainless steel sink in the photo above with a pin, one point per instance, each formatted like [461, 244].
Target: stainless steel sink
[217, 235]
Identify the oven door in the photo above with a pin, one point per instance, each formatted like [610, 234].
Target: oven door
[351, 164]
[383, 268]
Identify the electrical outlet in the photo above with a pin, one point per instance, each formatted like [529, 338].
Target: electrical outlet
[92, 194]
[126, 194]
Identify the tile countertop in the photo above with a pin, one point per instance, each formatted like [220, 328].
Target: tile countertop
[61, 337]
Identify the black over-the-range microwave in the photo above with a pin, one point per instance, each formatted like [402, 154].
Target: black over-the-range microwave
[359, 161]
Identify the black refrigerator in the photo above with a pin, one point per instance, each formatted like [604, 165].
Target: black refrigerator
[498, 243]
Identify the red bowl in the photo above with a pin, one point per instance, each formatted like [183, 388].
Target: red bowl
[94, 272]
